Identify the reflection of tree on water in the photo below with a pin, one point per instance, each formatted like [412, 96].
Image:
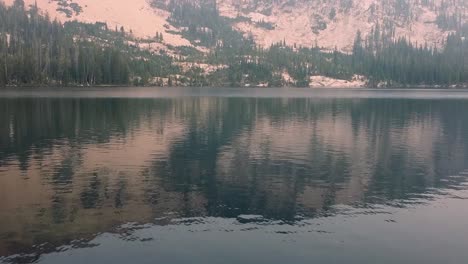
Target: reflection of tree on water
[279, 158]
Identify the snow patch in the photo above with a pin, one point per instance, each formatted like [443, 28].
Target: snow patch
[357, 81]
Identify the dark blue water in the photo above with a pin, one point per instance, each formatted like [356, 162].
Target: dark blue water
[146, 175]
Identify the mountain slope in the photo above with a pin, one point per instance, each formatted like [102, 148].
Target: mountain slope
[334, 23]
[325, 23]
[301, 43]
[136, 15]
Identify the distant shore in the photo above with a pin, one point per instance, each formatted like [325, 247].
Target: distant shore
[441, 87]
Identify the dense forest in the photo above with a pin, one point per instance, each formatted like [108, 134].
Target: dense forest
[380, 57]
[35, 50]
[401, 62]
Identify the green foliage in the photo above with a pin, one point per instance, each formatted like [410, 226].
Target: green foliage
[34, 50]
[266, 25]
[403, 63]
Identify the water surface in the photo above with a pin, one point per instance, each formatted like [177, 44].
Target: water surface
[233, 176]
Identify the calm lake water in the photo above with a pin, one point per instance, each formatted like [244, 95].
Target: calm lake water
[148, 175]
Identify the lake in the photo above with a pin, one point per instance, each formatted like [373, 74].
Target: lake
[203, 175]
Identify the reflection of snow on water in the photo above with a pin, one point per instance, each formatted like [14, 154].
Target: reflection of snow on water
[12, 130]
[8, 39]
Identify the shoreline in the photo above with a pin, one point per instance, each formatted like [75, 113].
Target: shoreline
[396, 87]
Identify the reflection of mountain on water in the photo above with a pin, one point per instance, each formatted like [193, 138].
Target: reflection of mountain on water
[70, 168]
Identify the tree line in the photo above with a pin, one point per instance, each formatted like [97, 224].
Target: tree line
[400, 62]
[36, 50]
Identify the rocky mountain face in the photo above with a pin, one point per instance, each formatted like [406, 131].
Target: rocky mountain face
[329, 24]
[334, 23]
[137, 16]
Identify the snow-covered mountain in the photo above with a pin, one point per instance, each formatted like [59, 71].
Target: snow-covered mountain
[325, 23]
